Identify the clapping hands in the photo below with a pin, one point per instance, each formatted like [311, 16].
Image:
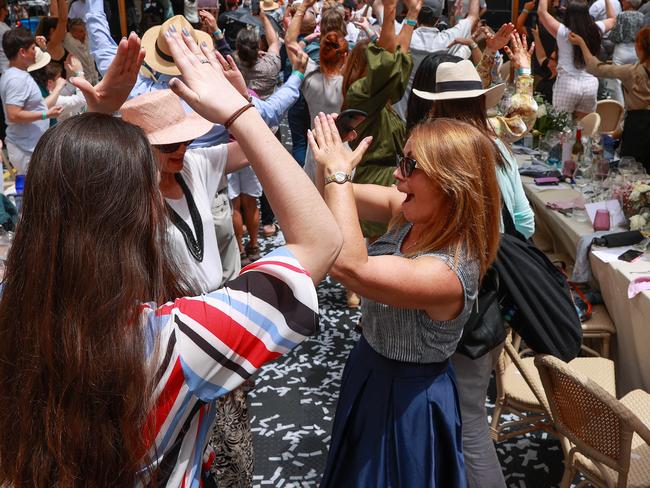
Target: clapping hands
[519, 53]
[502, 37]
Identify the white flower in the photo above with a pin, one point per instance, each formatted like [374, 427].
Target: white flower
[637, 222]
[541, 110]
[634, 196]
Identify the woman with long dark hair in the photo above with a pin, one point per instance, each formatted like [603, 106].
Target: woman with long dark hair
[575, 89]
[108, 375]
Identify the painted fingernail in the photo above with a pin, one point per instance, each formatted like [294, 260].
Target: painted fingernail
[186, 32]
[167, 33]
[172, 28]
[204, 44]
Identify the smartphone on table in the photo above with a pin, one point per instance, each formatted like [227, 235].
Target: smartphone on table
[630, 255]
[349, 120]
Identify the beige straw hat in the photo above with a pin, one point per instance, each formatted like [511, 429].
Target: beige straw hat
[161, 116]
[158, 55]
[461, 80]
[42, 59]
[269, 5]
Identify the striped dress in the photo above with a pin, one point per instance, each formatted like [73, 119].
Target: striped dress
[204, 347]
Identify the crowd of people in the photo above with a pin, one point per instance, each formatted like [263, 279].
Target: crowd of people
[135, 307]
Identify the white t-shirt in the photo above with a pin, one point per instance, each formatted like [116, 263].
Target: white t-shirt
[565, 52]
[427, 40]
[598, 9]
[202, 172]
[481, 5]
[17, 87]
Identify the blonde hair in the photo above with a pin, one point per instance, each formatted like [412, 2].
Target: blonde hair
[461, 160]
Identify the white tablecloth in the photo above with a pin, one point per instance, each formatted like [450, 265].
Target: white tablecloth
[560, 234]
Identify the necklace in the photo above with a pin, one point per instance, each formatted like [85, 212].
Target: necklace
[194, 245]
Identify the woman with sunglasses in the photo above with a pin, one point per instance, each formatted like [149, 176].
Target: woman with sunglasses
[189, 179]
[454, 90]
[397, 420]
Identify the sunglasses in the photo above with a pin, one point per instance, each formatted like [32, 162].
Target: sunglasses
[406, 165]
[170, 148]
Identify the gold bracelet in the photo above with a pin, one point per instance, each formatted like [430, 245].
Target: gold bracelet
[234, 116]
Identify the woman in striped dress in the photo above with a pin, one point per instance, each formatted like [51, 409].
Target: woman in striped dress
[108, 372]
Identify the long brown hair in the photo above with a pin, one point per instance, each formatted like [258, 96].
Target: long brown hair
[460, 159]
[356, 66]
[89, 249]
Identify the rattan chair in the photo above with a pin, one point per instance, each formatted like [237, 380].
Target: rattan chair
[599, 327]
[520, 391]
[611, 115]
[590, 124]
[609, 438]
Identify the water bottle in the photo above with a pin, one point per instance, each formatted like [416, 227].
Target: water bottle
[20, 187]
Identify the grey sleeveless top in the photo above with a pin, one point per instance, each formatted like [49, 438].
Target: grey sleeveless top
[410, 335]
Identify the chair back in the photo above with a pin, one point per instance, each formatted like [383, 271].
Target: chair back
[590, 124]
[599, 425]
[611, 115]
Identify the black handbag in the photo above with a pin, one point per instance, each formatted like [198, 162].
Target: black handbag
[485, 328]
[536, 297]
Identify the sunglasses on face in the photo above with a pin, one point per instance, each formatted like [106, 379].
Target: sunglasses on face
[170, 148]
[406, 165]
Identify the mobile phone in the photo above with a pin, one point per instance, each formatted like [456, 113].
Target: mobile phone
[630, 255]
[546, 181]
[348, 120]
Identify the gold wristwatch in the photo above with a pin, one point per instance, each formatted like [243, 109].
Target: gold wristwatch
[339, 177]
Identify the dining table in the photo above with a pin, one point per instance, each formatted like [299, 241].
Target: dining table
[565, 234]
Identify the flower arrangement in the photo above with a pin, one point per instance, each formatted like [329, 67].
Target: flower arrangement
[635, 201]
[549, 118]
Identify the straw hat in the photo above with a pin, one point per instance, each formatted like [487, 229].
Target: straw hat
[461, 80]
[162, 118]
[269, 5]
[158, 55]
[42, 59]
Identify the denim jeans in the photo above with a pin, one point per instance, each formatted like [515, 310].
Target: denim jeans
[299, 122]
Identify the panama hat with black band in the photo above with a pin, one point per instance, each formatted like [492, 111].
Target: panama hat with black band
[461, 80]
[158, 56]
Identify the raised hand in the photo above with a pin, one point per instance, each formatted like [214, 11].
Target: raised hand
[110, 93]
[299, 58]
[203, 79]
[208, 20]
[41, 42]
[501, 38]
[530, 6]
[575, 39]
[232, 73]
[520, 54]
[73, 65]
[329, 151]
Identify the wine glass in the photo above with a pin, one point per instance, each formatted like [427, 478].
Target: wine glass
[626, 167]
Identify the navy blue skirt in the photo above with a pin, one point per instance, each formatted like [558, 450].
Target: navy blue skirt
[397, 425]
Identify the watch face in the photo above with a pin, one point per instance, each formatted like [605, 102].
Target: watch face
[340, 177]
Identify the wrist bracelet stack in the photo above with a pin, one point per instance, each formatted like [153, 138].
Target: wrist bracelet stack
[217, 33]
[525, 11]
[473, 46]
[410, 22]
[523, 71]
